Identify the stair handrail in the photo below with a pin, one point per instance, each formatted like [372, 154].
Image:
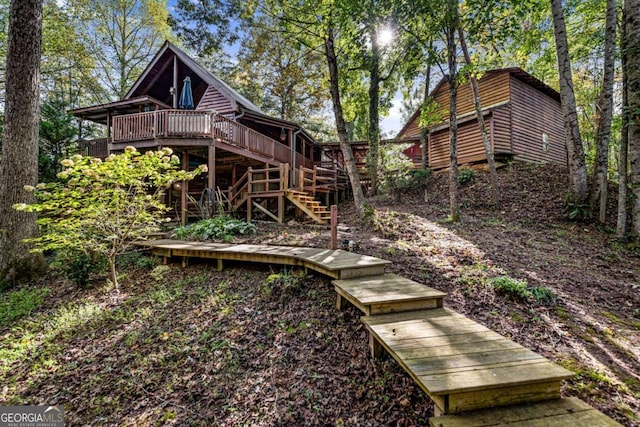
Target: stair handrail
[237, 190]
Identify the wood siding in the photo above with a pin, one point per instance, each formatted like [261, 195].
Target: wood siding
[494, 89]
[214, 100]
[470, 147]
[501, 130]
[534, 114]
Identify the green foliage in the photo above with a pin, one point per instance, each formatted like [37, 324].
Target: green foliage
[511, 288]
[396, 170]
[137, 259]
[466, 176]
[103, 206]
[16, 304]
[286, 282]
[574, 210]
[78, 266]
[430, 113]
[543, 295]
[420, 177]
[216, 228]
[58, 133]
[160, 272]
[517, 290]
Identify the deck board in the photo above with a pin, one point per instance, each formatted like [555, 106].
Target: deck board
[553, 413]
[387, 293]
[333, 263]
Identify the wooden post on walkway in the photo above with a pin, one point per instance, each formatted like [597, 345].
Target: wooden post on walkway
[334, 227]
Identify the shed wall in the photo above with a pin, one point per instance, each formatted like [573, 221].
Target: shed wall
[535, 113]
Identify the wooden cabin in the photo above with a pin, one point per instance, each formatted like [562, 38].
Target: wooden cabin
[523, 116]
[256, 162]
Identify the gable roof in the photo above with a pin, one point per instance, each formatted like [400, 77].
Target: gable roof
[158, 66]
[517, 72]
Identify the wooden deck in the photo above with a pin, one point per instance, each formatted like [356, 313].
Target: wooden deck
[461, 365]
[337, 264]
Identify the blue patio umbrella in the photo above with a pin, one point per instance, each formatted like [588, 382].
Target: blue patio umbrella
[186, 96]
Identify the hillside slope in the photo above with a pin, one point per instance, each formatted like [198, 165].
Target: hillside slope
[593, 327]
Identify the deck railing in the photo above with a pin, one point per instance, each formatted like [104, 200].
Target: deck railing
[96, 147]
[197, 124]
[256, 181]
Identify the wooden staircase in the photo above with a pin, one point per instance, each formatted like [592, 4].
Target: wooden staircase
[461, 365]
[307, 204]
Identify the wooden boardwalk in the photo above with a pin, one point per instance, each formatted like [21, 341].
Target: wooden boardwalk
[475, 376]
[337, 264]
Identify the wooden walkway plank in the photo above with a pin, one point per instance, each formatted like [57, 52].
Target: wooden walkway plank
[387, 293]
[553, 413]
[448, 348]
[471, 361]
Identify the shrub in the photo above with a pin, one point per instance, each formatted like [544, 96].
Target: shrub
[287, 281]
[78, 266]
[466, 176]
[510, 287]
[216, 228]
[574, 210]
[137, 259]
[543, 295]
[104, 206]
[420, 177]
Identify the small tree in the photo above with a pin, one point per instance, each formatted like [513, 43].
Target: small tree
[103, 207]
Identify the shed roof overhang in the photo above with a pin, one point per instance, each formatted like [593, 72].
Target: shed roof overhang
[100, 113]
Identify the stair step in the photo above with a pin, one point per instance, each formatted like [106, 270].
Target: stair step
[431, 345]
[553, 413]
[387, 293]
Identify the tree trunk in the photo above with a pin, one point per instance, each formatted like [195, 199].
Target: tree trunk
[623, 160]
[373, 158]
[424, 131]
[341, 126]
[604, 109]
[19, 164]
[114, 272]
[632, 47]
[577, 167]
[453, 101]
[483, 128]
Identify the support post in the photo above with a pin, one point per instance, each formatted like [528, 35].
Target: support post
[280, 209]
[211, 179]
[334, 227]
[183, 193]
[376, 348]
[175, 82]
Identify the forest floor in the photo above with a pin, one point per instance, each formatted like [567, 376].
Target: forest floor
[264, 346]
